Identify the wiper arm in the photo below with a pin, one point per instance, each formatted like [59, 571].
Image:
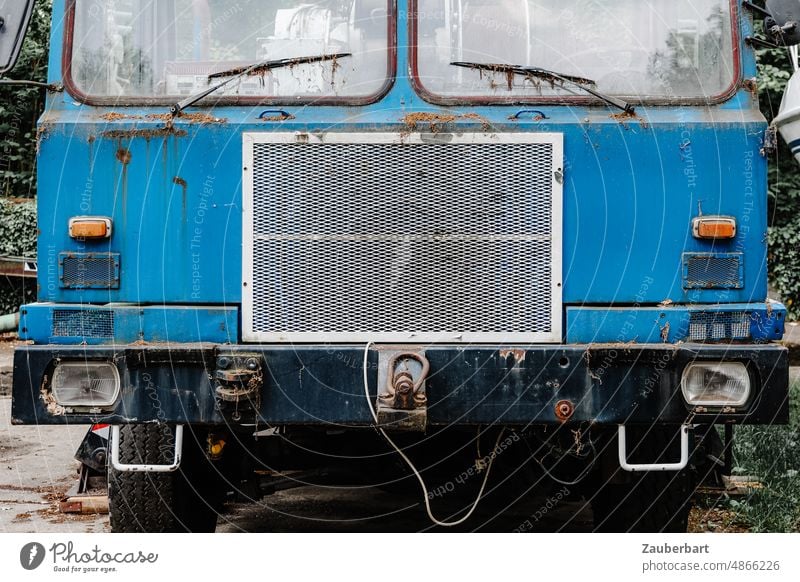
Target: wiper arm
[548, 75]
[239, 72]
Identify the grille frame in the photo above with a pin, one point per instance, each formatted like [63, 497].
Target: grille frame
[713, 271]
[88, 270]
[410, 140]
[82, 323]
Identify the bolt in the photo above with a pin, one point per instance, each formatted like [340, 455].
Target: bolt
[252, 364]
[564, 410]
[223, 363]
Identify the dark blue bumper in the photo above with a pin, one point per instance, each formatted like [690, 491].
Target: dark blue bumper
[323, 385]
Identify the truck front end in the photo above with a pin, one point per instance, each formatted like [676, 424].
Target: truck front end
[407, 234]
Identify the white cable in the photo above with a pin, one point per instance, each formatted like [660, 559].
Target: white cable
[414, 469]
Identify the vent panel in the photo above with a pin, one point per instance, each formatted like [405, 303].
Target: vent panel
[90, 323]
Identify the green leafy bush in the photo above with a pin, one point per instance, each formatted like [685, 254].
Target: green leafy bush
[21, 107]
[17, 239]
[784, 186]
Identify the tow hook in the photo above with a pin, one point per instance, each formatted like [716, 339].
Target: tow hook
[403, 403]
[238, 381]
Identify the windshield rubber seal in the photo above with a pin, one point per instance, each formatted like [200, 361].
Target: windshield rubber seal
[125, 100]
[437, 99]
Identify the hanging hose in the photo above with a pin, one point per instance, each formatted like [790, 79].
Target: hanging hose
[411, 466]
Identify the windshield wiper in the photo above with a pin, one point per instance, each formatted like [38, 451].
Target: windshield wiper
[239, 72]
[551, 76]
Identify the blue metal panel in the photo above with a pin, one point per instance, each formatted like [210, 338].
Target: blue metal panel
[665, 324]
[40, 322]
[631, 188]
[628, 203]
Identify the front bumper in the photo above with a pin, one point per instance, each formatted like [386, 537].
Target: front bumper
[606, 384]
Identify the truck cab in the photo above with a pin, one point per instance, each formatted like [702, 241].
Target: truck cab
[288, 235]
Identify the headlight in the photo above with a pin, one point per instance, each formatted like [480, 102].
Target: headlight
[87, 384]
[716, 384]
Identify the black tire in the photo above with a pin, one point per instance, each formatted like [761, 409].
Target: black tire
[186, 500]
[648, 502]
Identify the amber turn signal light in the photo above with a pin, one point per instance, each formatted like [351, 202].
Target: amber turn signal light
[714, 227]
[89, 227]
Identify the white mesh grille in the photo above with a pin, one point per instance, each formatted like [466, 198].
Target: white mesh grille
[362, 237]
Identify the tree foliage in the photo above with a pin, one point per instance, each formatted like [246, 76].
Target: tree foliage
[21, 107]
[774, 70]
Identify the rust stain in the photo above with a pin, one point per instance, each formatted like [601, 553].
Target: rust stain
[144, 133]
[276, 117]
[665, 333]
[434, 120]
[114, 116]
[564, 410]
[516, 356]
[124, 156]
[485, 125]
[624, 116]
[201, 118]
[182, 183]
[50, 403]
[751, 86]
[41, 134]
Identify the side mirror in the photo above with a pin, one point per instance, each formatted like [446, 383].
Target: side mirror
[14, 18]
[783, 23]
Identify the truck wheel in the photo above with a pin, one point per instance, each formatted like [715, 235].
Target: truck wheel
[647, 502]
[184, 500]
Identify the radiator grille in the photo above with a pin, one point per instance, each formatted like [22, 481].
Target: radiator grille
[713, 271]
[92, 323]
[418, 241]
[89, 270]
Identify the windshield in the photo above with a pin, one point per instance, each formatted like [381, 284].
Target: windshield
[640, 48]
[168, 48]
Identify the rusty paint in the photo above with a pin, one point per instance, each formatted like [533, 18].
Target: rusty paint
[564, 410]
[665, 333]
[91, 139]
[124, 156]
[751, 86]
[144, 133]
[277, 117]
[402, 391]
[485, 125]
[434, 120]
[41, 133]
[515, 357]
[114, 116]
[201, 118]
[624, 116]
[49, 400]
[182, 183]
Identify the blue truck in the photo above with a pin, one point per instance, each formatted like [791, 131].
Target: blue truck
[360, 237]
